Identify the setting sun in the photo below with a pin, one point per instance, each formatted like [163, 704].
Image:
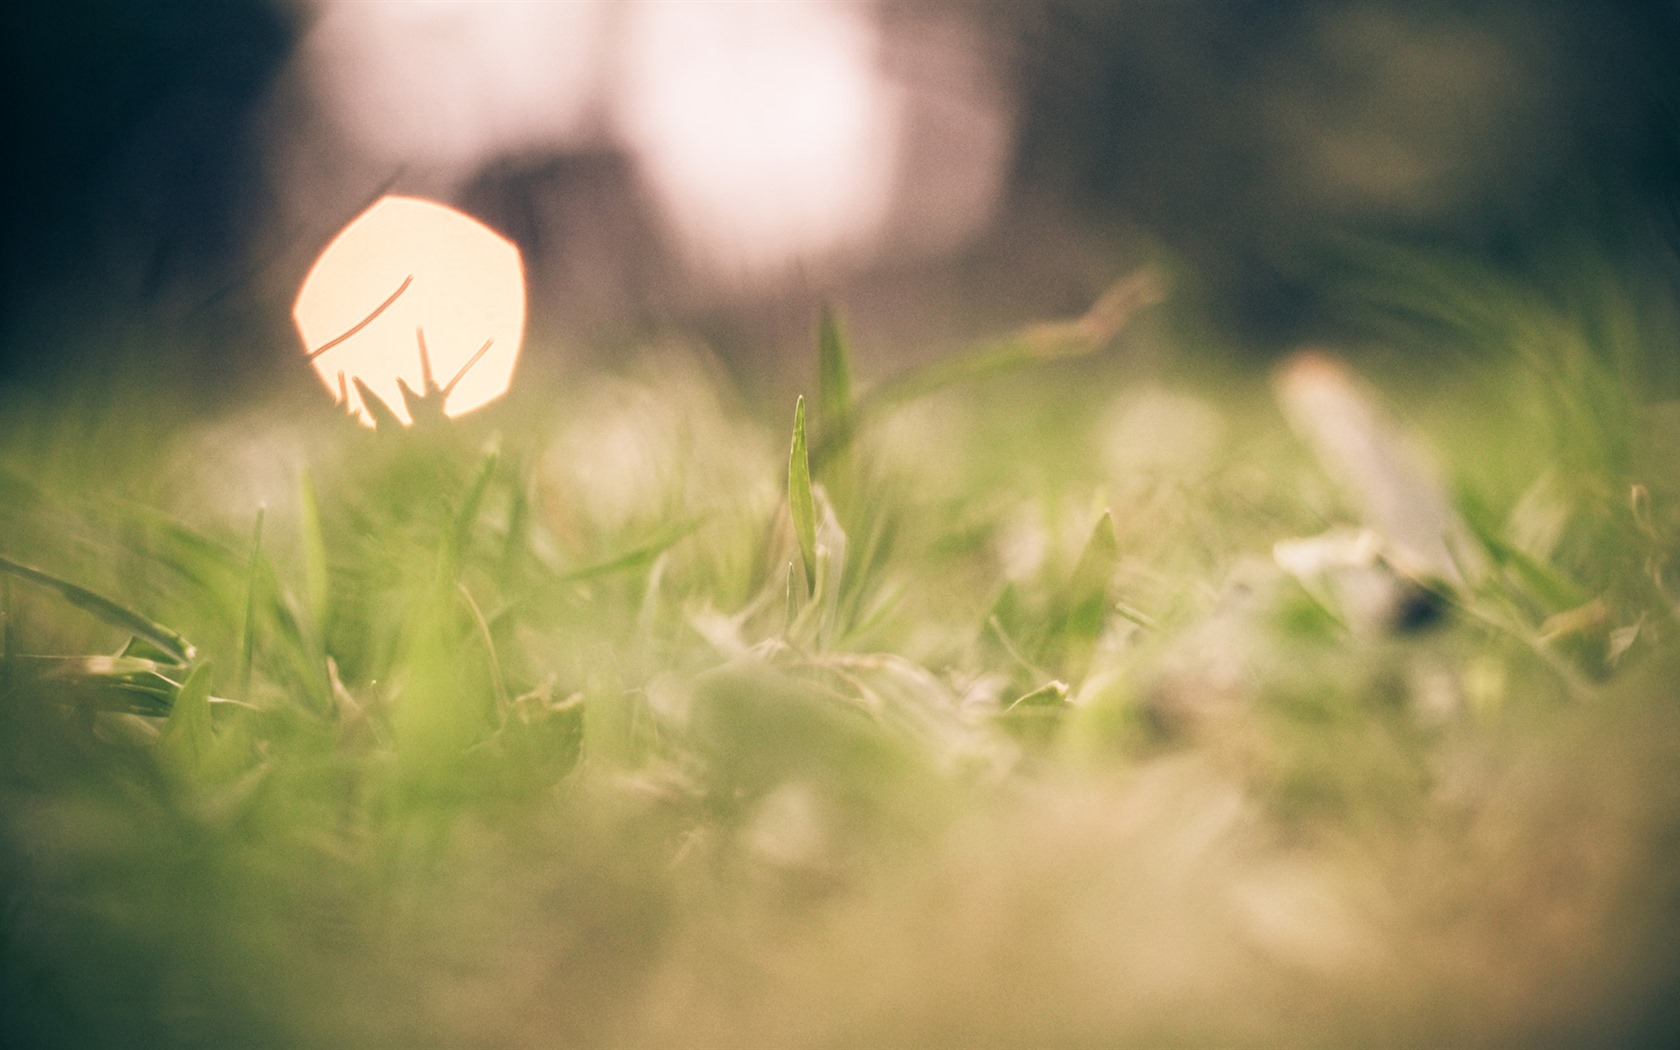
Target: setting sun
[414, 293]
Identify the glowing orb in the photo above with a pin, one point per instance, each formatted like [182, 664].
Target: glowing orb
[413, 293]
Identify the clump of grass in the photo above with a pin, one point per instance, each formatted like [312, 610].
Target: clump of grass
[974, 710]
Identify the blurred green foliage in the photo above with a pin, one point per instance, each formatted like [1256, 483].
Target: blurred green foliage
[584, 720]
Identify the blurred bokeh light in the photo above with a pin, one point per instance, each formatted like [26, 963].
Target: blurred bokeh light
[449, 84]
[416, 294]
[767, 138]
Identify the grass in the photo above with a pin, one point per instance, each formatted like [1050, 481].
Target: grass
[1031, 698]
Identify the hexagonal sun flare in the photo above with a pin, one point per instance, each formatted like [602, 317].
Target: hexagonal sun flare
[413, 290]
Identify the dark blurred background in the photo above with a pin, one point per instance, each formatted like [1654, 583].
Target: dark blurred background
[939, 169]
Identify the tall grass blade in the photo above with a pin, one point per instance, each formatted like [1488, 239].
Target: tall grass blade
[317, 581]
[187, 732]
[248, 625]
[112, 612]
[834, 371]
[498, 681]
[637, 556]
[467, 515]
[1034, 344]
[834, 404]
[834, 375]
[1086, 601]
[385, 420]
[801, 505]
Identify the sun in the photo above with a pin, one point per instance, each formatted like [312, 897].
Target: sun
[415, 294]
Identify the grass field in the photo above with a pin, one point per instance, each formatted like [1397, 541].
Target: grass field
[1044, 696]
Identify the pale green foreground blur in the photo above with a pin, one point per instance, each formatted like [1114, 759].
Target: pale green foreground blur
[1049, 696]
[1089, 684]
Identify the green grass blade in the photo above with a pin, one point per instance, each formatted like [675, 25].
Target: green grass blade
[516, 542]
[248, 624]
[187, 732]
[1555, 591]
[636, 557]
[1034, 344]
[141, 649]
[467, 515]
[834, 369]
[189, 548]
[112, 612]
[833, 409]
[801, 505]
[1050, 694]
[385, 421]
[99, 683]
[834, 375]
[1085, 603]
[420, 408]
[498, 681]
[317, 584]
